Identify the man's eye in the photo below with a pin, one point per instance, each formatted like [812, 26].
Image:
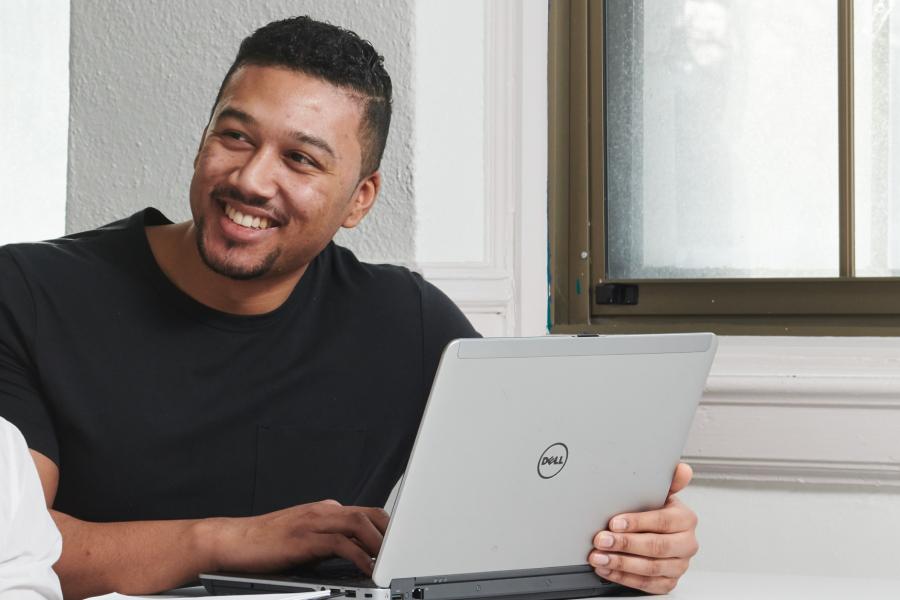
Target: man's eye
[235, 135]
[300, 158]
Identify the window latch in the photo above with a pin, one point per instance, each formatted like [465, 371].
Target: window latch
[616, 293]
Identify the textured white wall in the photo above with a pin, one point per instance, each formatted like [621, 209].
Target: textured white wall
[143, 79]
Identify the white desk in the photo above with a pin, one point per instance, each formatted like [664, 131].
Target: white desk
[707, 585]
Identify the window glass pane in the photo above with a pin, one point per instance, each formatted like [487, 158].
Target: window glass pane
[722, 139]
[876, 38]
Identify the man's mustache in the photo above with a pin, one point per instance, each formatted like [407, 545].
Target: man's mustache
[229, 192]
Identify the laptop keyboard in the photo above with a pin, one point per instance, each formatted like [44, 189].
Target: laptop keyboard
[333, 569]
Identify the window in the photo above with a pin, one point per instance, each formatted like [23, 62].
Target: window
[725, 165]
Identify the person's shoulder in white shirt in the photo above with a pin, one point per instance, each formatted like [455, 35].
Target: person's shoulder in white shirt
[29, 541]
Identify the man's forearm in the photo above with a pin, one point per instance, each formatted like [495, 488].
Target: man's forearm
[143, 557]
[139, 557]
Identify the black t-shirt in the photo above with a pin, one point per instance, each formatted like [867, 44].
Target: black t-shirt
[155, 406]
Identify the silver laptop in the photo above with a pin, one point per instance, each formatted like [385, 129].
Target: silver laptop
[527, 447]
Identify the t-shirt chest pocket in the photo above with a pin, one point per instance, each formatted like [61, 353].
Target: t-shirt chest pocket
[297, 465]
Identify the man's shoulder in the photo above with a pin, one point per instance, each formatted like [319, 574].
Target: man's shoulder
[386, 279]
[72, 252]
[346, 266]
[399, 290]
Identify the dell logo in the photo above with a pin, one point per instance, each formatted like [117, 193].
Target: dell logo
[553, 460]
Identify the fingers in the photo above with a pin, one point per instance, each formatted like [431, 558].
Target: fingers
[638, 565]
[672, 518]
[652, 585]
[650, 550]
[351, 524]
[681, 478]
[652, 545]
[340, 545]
[299, 534]
[378, 516]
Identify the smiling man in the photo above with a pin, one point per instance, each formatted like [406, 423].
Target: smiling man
[235, 392]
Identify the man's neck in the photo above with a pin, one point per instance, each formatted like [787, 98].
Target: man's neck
[175, 249]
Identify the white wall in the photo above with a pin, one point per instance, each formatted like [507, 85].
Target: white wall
[449, 161]
[481, 159]
[797, 528]
[797, 455]
[34, 77]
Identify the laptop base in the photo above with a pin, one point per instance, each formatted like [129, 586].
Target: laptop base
[560, 586]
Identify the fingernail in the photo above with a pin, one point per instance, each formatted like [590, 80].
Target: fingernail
[598, 560]
[606, 540]
[602, 572]
[619, 524]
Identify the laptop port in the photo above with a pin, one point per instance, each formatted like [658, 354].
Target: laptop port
[418, 593]
[396, 596]
[350, 593]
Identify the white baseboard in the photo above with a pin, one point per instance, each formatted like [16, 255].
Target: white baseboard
[817, 410]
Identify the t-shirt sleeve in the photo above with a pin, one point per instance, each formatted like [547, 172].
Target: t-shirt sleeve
[21, 401]
[442, 322]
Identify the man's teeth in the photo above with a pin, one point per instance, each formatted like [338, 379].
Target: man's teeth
[246, 220]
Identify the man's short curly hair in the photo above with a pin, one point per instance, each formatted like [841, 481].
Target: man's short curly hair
[334, 54]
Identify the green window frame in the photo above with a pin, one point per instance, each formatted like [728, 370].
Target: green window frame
[844, 305]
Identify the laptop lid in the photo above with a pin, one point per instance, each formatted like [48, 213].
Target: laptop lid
[528, 446]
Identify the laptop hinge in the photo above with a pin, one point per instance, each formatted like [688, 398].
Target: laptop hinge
[459, 577]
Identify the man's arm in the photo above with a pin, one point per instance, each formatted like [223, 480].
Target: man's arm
[649, 551]
[142, 557]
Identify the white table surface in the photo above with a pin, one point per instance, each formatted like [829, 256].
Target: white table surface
[709, 585]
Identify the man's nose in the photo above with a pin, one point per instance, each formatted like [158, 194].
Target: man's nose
[256, 177]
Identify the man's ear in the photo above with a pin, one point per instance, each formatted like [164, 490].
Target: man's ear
[363, 199]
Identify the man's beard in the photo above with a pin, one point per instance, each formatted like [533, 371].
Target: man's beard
[226, 269]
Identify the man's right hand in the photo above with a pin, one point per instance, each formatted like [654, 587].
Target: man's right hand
[146, 557]
[304, 533]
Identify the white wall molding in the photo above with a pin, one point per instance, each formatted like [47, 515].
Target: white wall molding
[878, 475]
[801, 410]
[531, 251]
[474, 286]
[515, 134]
[477, 285]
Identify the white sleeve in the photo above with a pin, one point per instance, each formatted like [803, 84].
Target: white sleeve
[29, 541]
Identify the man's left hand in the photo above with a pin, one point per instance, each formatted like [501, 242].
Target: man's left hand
[651, 550]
